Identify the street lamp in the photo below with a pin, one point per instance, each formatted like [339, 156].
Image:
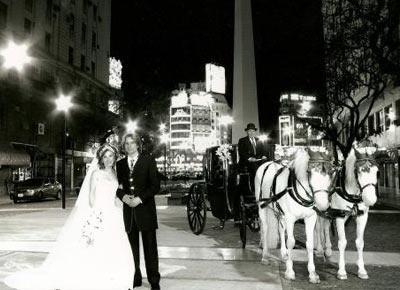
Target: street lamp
[63, 104]
[15, 56]
[131, 126]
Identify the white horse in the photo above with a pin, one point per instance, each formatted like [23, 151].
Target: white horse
[358, 191]
[302, 185]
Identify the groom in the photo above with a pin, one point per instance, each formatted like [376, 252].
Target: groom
[137, 176]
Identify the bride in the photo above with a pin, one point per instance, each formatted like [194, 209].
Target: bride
[92, 250]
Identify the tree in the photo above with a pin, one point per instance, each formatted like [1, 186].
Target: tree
[362, 60]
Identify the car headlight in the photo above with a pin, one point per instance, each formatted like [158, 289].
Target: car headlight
[30, 191]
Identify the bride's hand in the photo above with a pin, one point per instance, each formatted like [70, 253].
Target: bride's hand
[118, 202]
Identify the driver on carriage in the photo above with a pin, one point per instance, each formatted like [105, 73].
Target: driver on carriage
[251, 152]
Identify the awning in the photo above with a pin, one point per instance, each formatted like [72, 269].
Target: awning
[13, 157]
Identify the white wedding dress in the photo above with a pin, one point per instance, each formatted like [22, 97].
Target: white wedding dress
[76, 264]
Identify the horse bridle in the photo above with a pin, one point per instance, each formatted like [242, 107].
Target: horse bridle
[332, 185]
[372, 161]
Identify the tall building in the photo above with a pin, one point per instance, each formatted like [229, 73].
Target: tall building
[195, 124]
[69, 43]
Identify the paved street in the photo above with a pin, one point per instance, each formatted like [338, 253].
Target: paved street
[213, 260]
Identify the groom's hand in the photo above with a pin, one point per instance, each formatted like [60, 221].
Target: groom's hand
[136, 201]
[127, 199]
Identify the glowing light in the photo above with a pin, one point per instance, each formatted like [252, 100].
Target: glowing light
[131, 126]
[162, 127]
[164, 138]
[180, 100]
[263, 137]
[115, 74]
[64, 103]
[391, 115]
[306, 106]
[15, 56]
[226, 120]
[215, 78]
[201, 99]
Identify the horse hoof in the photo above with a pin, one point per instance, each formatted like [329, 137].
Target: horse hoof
[363, 276]
[290, 276]
[315, 280]
[342, 276]
[265, 261]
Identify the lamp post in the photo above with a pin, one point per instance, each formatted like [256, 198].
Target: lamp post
[63, 104]
[164, 139]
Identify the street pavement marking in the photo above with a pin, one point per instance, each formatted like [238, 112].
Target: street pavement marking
[219, 254]
[160, 207]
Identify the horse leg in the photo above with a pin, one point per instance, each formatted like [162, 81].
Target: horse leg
[310, 226]
[262, 212]
[361, 223]
[342, 242]
[328, 243]
[284, 251]
[318, 237]
[289, 274]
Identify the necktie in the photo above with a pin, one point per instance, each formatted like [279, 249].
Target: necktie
[253, 142]
[132, 163]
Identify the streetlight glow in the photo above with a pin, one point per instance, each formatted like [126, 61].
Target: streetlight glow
[131, 126]
[63, 103]
[162, 127]
[164, 138]
[263, 137]
[15, 56]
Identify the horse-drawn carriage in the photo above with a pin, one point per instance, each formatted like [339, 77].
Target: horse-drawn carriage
[226, 192]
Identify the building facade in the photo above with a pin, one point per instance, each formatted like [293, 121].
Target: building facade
[69, 42]
[196, 123]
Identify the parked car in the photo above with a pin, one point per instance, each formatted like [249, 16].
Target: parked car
[36, 189]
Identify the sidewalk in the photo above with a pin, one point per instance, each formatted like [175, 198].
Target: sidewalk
[391, 200]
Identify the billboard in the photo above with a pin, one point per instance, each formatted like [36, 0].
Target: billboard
[215, 78]
[296, 131]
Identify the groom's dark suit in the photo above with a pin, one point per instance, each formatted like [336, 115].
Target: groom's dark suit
[142, 182]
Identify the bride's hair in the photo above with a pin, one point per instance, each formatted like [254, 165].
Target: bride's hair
[102, 150]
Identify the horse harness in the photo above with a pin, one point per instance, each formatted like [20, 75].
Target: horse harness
[291, 189]
[340, 189]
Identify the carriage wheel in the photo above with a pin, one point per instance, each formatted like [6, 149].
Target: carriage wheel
[196, 208]
[243, 219]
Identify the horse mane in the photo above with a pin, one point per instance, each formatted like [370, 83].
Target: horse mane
[300, 165]
[350, 165]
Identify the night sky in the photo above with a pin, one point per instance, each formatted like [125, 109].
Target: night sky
[163, 43]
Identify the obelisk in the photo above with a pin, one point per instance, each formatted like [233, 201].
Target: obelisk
[245, 105]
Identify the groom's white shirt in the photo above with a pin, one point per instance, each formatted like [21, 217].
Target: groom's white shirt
[133, 158]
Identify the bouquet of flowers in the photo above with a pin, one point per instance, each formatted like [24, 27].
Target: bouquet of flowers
[224, 153]
[91, 226]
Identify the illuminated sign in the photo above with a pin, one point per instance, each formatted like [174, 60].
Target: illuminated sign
[115, 73]
[215, 78]
[179, 100]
